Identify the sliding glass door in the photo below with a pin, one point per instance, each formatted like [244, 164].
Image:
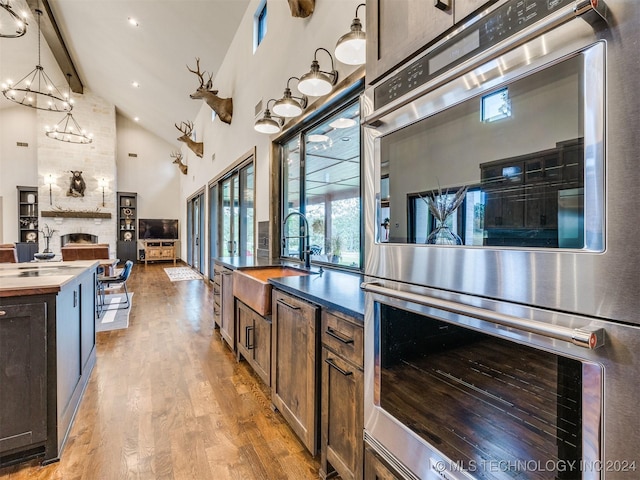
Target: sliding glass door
[195, 229]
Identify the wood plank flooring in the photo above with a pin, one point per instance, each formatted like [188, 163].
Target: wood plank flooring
[167, 400]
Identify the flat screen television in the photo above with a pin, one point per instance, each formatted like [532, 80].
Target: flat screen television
[157, 229]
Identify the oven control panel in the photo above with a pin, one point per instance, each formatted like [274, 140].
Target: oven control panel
[487, 31]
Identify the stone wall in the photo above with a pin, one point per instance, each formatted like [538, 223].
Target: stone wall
[96, 160]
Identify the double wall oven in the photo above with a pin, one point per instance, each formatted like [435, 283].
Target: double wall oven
[502, 269]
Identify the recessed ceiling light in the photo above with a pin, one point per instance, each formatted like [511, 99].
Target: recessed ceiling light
[342, 123]
[135, 84]
[136, 119]
[133, 21]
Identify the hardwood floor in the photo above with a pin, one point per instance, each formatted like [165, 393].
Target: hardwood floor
[167, 400]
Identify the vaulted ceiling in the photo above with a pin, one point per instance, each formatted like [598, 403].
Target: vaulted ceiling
[109, 53]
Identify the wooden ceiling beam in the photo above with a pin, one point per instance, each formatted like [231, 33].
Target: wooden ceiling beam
[53, 37]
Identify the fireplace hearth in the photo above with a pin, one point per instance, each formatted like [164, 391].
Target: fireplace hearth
[78, 238]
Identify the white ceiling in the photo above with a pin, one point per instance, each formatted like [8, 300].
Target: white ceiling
[109, 53]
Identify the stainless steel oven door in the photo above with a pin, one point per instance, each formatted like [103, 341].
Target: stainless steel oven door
[581, 254]
[462, 387]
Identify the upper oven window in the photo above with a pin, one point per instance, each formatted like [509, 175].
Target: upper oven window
[529, 176]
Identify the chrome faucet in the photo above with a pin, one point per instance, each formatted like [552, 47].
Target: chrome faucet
[305, 251]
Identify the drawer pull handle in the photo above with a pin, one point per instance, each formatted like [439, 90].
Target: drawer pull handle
[292, 307]
[332, 333]
[333, 364]
[247, 344]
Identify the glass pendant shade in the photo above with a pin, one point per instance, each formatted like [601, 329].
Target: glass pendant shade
[267, 124]
[288, 106]
[11, 25]
[351, 48]
[315, 83]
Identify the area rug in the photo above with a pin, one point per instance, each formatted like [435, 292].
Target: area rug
[177, 274]
[111, 317]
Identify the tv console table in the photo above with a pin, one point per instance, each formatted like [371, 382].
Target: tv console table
[159, 250]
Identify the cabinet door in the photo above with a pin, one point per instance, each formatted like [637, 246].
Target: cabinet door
[262, 347]
[244, 320]
[23, 376]
[294, 365]
[398, 29]
[87, 292]
[227, 326]
[375, 468]
[68, 343]
[342, 416]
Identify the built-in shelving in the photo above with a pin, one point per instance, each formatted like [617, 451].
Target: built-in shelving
[127, 226]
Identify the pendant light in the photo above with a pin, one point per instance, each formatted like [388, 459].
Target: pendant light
[267, 124]
[36, 90]
[316, 83]
[352, 47]
[67, 129]
[15, 26]
[288, 105]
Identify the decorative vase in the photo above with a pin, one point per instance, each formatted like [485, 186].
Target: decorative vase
[443, 235]
[46, 248]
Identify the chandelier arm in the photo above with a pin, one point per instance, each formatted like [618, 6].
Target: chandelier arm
[358, 7]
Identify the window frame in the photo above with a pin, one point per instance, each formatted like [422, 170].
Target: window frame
[260, 24]
[344, 102]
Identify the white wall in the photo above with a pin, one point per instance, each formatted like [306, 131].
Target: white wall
[18, 165]
[152, 174]
[287, 50]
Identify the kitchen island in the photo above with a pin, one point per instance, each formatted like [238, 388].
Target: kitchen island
[47, 353]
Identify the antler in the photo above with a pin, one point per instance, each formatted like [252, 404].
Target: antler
[177, 156]
[188, 128]
[200, 75]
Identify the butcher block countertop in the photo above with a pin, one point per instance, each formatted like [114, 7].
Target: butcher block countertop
[36, 278]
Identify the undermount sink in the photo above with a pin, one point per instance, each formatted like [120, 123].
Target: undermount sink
[251, 285]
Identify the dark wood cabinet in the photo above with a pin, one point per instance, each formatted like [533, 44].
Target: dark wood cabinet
[23, 376]
[342, 405]
[294, 365]
[227, 307]
[254, 340]
[127, 226]
[375, 468]
[399, 29]
[47, 353]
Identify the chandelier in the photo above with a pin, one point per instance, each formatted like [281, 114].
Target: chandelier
[36, 90]
[17, 26]
[67, 129]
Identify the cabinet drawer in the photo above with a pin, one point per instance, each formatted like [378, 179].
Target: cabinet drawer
[344, 336]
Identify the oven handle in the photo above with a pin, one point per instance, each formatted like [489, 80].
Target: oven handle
[586, 337]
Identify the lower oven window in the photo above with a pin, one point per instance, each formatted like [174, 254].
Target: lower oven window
[494, 407]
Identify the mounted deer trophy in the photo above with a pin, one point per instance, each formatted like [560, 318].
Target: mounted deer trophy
[186, 128]
[302, 8]
[177, 156]
[222, 106]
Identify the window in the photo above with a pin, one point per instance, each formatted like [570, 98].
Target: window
[321, 179]
[259, 24]
[232, 212]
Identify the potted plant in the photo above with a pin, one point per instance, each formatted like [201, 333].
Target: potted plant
[47, 233]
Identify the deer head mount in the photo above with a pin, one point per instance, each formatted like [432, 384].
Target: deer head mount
[177, 156]
[222, 106]
[302, 8]
[187, 128]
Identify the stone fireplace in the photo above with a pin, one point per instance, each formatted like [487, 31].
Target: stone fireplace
[90, 216]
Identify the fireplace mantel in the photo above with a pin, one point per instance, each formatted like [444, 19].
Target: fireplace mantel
[74, 214]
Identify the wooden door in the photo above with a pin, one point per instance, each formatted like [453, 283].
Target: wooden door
[227, 327]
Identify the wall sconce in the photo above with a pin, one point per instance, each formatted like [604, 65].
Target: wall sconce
[48, 180]
[288, 105]
[267, 124]
[102, 183]
[351, 48]
[316, 83]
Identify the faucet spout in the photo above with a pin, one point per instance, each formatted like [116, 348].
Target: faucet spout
[305, 251]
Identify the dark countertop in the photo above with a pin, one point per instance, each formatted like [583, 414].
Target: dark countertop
[335, 289]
